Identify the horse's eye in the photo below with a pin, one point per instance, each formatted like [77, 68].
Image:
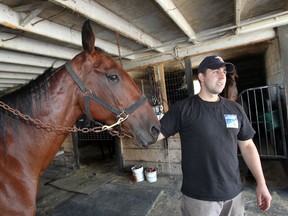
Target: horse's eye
[113, 78]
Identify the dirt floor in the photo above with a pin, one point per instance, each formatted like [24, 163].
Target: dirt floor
[99, 189]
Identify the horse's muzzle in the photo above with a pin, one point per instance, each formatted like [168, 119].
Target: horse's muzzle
[148, 139]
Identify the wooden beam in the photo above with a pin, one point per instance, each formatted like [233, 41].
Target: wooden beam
[33, 9]
[36, 47]
[170, 8]
[237, 12]
[6, 67]
[11, 19]
[13, 81]
[205, 47]
[32, 6]
[271, 22]
[8, 75]
[6, 85]
[104, 17]
[29, 60]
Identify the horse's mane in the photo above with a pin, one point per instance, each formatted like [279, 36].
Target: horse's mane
[21, 99]
[23, 96]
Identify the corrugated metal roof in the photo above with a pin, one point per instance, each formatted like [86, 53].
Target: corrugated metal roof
[37, 34]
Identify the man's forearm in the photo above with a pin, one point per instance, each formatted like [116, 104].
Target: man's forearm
[252, 160]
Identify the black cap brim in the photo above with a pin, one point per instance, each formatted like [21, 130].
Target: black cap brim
[229, 66]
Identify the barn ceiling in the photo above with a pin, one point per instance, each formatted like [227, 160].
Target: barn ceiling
[36, 34]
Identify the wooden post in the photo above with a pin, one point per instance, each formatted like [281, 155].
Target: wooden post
[160, 77]
[76, 150]
[119, 152]
[189, 76]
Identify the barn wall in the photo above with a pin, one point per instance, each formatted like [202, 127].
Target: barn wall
[274, 71]
[276, 60]
[165, 158]
[283, 50]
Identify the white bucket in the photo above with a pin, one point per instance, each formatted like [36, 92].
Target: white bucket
[138, 173]
[151, 176]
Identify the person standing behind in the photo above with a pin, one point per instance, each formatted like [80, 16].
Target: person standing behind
[210, 127]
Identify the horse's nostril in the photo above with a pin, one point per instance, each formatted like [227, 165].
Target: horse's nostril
[155, 131]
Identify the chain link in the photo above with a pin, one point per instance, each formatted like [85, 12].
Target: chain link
[58, 128]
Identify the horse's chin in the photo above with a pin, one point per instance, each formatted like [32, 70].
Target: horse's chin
[141, 143]
[140, 140]
[142, 137]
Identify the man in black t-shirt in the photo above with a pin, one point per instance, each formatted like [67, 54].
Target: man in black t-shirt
[211, 128]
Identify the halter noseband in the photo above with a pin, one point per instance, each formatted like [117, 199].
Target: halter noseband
[121, 115]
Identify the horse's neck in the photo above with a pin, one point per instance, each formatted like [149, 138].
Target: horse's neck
[58, 108]
[58, 105]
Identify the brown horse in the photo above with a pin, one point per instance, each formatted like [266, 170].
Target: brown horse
[230, 91]
[56, 97]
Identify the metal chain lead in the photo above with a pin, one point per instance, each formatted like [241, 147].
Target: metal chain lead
[49, 127]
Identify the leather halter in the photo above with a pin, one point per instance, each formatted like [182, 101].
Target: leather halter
[119, 114]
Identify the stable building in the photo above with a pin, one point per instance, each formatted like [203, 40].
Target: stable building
[160, 44]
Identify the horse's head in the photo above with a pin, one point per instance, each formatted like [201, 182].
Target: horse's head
[107, 81]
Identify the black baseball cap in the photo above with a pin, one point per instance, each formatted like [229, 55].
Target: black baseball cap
[215, 62]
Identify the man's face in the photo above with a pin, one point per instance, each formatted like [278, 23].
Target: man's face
[213, 80]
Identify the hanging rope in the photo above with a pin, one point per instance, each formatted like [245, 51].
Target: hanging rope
[119, 52]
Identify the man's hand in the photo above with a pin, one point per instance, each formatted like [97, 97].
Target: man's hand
[263, 197]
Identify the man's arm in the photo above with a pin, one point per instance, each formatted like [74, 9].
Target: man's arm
[252, 159]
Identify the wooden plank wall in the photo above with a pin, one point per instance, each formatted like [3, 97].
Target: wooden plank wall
[166, 158]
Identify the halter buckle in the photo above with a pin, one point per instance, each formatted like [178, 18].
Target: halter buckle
[87, 92]
[123, 116]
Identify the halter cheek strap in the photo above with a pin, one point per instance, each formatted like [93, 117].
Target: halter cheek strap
[120, 114]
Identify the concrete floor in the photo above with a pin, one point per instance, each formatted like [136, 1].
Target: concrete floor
[118, 194]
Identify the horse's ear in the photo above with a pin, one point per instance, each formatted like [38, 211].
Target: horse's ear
[88, 37]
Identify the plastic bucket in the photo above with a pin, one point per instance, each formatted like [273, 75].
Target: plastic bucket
[151, 175]
[138, 174]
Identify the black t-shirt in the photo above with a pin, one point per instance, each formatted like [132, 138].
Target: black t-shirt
[209, 133]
